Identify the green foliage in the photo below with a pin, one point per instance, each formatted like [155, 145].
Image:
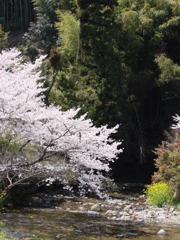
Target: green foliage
[112, 72]
[118, 60]
[170, 27]
[42, 35]
[168, 162]
[39, 39]
[145, 33]
[7, 145]
[11, 149]
[68, 30]
[44, 7]
[47, 8]
[159, 193]
[3, 39]
[99, 68]
[176, 203]
[169, 70]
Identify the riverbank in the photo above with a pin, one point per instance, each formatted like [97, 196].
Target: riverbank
[127, 208]
[123, 216]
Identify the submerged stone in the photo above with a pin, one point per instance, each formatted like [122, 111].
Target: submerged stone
[92, 213]
[96, 207]
[161, 232]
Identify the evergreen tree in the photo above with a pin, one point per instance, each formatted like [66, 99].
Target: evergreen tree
[100, 65]
[148, 41]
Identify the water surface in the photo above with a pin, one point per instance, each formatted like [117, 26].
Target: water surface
[72, 220]
[60, 224]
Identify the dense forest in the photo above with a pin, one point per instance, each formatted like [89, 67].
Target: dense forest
[118, 60]
[16, 14]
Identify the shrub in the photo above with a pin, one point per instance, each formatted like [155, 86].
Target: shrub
[159, 193]
[168, 162]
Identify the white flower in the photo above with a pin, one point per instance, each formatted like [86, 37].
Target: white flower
[23, 112]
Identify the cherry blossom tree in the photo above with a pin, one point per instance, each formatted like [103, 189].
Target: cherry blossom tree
[47, 141]
[177, 122]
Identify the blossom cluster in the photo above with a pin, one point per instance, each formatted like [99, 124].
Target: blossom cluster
[24, 115]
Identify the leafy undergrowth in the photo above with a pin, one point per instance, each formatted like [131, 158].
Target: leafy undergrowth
[159, 194]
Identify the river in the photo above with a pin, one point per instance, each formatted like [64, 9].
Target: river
[80, 219]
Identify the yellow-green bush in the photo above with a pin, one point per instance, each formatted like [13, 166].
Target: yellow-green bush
[159, 193]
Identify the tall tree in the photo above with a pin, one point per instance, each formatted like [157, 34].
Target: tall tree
[149, 29]
[100, 68]
[119, 68]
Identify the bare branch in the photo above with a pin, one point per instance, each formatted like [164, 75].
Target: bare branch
[21, 148]
[10, 181]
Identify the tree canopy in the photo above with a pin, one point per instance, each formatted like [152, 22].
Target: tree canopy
[37, 140]
[117, 60]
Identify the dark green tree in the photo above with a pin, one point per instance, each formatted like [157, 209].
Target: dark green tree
[121, 65]
[100, 66]
[48, 8]
[149, 39]
[41, 36]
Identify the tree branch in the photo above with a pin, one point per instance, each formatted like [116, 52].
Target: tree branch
[21, 148]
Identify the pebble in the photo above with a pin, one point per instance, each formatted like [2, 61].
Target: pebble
[81, 208]
[125, 214]
[92, 213]
[129, 210]
[161, 232]
[111, 212]
[171, 209]
[58, 236]
[96, 207]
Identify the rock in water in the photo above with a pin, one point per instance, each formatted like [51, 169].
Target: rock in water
[161, 232]
[96, 207]
[92, 213]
